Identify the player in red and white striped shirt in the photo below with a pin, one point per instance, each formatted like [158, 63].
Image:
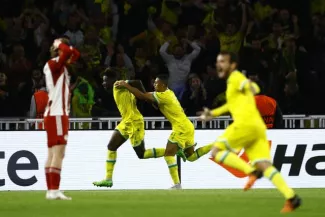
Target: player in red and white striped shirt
[56, 116]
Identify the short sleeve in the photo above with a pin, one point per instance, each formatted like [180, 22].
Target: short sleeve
[160, 97]
[241, 81]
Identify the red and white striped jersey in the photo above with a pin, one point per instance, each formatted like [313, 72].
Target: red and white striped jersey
[58, 81]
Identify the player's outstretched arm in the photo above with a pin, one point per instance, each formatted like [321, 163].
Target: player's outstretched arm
[135, 91]
[208, 114]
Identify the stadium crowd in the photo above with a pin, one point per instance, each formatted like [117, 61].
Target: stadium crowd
[281, 45]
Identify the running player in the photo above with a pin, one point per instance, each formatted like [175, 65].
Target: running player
[131, 127]
[182, 137]
[56, 115]
[247, 131]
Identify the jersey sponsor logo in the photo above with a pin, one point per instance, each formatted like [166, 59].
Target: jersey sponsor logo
[234, 172]
[13, 167]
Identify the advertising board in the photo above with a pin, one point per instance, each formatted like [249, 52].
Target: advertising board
[299, 154]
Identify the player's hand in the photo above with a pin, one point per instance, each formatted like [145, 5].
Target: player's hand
[57, 43]
[120, 84]
[205, 115]
[214, 152]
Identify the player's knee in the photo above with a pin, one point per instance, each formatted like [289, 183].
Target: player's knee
[140, 150]
[140, 154]
[111, 146]
[263, 165]
[171, 149]
[59, 156]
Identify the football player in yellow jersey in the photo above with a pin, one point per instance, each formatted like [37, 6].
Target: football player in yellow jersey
[247, 131]
[131, 127]
[182, 136]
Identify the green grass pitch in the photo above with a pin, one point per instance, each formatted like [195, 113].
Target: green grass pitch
[160, 203]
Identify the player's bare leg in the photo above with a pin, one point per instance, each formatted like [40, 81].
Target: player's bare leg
[47, 169]
[293, 201]
[171, 150]
[58, 152]
[222, 155]
[116, 141]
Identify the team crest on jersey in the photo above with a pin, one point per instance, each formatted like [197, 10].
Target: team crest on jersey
[234, 172]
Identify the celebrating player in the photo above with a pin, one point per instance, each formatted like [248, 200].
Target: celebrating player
[247, 131]
[56, 119]
[131, 127]
[182, 136]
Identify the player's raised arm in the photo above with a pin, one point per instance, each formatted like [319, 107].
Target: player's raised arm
[135, 91]
[64, 53]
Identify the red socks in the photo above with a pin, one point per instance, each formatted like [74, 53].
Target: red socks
[53, 178]
[47, 176]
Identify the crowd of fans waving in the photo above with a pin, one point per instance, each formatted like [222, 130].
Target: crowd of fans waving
[280, 45]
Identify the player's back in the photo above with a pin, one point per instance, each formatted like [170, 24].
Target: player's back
[127, 105]
[57, 82]
[241, 102]
[267, 108]
[172, 110]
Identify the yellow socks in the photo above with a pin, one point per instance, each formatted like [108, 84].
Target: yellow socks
[232, 160]
[173, 168]
[275, 177]
[200, 152]
[110, 163]
[154, 153]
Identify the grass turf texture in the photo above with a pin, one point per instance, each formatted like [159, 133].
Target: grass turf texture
[164, 203]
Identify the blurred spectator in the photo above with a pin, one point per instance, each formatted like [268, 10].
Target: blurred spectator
[5, 97]
[82, 101]
[104, 99]
[38, 105]
[215, 87]
[263, 10]
[122, 65]
[291, 102]
[75, 35]
[179, 65]
[280, 43]
[195, 96]
[19, 67]
[232, 39]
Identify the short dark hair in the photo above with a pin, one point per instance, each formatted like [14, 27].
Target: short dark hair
[233, 58]
[163, 78]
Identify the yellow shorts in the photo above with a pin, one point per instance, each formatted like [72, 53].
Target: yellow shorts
[251, 138]
[133, 131]
[183, 138]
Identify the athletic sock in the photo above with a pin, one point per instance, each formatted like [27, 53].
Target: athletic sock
[55, 178]
[276, 178]
[200, 152]
[173, 168]
[154, 153]
[110, 163]
[232, 160]
[47, 177]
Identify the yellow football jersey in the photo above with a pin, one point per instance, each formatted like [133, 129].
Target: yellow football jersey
[171, 108]
[240, 100]
[127, 105]
[231, 43]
